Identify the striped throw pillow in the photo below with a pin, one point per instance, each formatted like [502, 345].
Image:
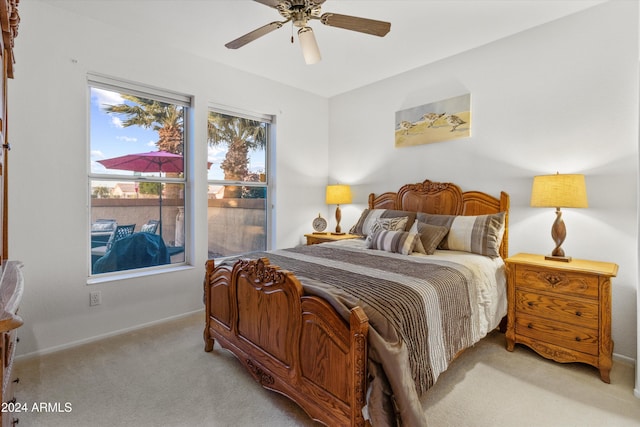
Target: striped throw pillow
[430, 237]
[370, 216]
[480, 234]
[393, 224]
[401, 242]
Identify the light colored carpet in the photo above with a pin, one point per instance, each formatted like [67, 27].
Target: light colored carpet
[161, 376]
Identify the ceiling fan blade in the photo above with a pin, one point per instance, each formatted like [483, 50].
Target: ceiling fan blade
[270, 3]
[354, 23]
[253, 35]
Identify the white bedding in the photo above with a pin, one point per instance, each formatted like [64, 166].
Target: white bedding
[489, 275]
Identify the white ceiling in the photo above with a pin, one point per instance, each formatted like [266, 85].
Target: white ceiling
[422, 31]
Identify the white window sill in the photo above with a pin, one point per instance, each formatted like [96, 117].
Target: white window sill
[133, 274]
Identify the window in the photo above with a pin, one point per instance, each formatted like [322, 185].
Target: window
[238, 179]
[137, 176]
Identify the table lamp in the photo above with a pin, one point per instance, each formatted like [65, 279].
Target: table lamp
[559, 191]
[336, 195]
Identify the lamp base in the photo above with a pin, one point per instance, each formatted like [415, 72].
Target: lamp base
[557, 258]
[334, 233]
[558, 233]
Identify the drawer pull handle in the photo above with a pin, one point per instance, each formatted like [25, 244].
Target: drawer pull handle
[530, 303]
[17, 339]
[530, 326]
[17, 380]
[552, 279]
[578, 339]
[578, 313]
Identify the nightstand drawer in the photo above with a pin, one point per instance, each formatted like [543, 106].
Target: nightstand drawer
[567, 282]
[580, 339]
[555, 307]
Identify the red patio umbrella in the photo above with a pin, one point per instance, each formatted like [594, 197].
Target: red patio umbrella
[153, 161]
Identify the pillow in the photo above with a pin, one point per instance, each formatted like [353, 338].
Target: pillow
[433, 219]
[401, 242]
[480, 234]
[394, 224]
[430, 236]
[439, 220]
[369, 217]
[419, 247]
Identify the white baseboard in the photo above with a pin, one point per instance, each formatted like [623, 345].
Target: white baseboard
[72, 344]
[624, 359]
[631, 362]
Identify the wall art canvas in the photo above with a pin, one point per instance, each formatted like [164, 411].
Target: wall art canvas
[438, 121]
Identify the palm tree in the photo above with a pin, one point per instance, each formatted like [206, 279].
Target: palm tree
[166, 119]
[240, 135]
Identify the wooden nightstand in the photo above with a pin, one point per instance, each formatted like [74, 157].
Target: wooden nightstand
[561, 310]
[313, 238]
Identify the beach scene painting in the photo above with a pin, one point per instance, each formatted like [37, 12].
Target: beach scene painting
[438, 121]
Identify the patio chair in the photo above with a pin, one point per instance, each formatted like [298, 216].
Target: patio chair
[101, 231]
[150, 227]
[120, 232]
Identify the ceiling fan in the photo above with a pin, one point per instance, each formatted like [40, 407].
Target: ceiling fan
[299, 13]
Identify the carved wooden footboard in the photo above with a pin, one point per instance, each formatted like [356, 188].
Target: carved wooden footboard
[292, 343]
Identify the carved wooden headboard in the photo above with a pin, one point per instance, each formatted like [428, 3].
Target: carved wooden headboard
[445, 198]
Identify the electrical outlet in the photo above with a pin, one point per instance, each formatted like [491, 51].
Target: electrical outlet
[95, 298]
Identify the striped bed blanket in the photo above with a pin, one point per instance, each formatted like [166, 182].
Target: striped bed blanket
[422, 311]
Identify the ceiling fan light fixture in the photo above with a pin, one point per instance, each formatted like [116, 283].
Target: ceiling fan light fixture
[310, 49]
[299, 13]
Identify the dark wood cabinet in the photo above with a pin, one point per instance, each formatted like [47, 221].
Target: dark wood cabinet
[9, 20]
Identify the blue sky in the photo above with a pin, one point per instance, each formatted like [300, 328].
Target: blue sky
[109, 139]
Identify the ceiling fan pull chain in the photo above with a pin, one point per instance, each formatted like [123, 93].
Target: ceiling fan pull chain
[292, 32]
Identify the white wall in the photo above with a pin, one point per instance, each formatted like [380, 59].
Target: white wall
[48, 214]
[560, 97]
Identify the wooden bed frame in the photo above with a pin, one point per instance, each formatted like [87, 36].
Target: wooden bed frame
[297, 344]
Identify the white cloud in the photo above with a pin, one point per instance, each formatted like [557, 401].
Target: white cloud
[127, 138]
[106, 97]
[216, 154]
[97, 167]
[97, 154]
[151, 144]
[116, 122]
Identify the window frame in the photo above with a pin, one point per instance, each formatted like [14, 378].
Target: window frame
[117, 85]
[270, 120]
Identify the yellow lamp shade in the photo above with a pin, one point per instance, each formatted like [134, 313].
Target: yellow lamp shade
[559, 191]
[338, 194]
